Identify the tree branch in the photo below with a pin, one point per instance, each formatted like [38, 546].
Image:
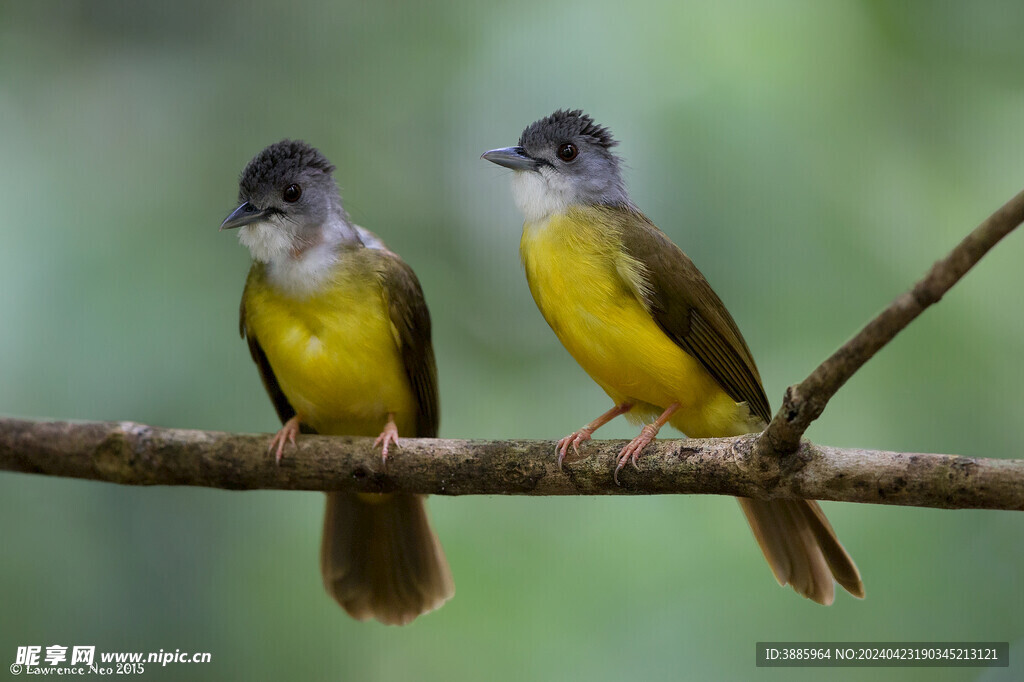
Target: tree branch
[806, 401]
[134, 454]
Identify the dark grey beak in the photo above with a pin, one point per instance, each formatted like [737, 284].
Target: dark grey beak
[243, 215]
[515, 158]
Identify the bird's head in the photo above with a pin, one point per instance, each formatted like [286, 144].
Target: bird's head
[561, 160]
[288, 202]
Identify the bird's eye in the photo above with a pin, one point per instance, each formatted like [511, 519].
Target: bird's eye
[568, 151]
[292, 193]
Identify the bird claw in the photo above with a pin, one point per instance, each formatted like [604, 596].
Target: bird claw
[388, 435]
[618, 468]
[286, 435]
[574, 439]
[631, 452]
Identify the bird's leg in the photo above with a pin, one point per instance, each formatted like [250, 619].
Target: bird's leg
[388, 435]
[577, 437]
[632, 450]
[285, 435]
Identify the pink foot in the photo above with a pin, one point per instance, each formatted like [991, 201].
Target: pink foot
[575, 439]
[633, 449]
[388, 435]
[285, 435]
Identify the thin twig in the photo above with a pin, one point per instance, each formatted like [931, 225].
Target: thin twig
[805, 402]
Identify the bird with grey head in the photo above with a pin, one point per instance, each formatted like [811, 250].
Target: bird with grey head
[340, 333]
[641, 319]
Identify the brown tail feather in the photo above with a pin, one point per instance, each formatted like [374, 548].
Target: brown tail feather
[801, 547]
[380, 559]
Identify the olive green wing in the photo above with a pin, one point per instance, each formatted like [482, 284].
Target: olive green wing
[686, 308]
[411, 320]
[284, 409]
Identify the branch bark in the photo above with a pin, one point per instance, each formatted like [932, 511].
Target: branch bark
[805, 402]
[135, 454]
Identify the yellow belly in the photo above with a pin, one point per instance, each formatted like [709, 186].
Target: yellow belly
[335, 354]
[578, 275]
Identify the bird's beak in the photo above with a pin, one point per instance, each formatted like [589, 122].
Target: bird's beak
[515, 158]
[243, 215]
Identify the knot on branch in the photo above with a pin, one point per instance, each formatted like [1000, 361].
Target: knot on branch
[925, 295]
[791, 404]
[782, 437]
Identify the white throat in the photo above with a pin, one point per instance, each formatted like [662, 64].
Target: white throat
[541, 194]
[293, 265]
[305, 273]
[267, 240]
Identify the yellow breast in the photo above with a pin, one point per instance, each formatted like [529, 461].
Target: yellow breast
[335, 352]
[587, 288]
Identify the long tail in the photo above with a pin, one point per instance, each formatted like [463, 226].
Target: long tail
[380, 559]
[801, 547]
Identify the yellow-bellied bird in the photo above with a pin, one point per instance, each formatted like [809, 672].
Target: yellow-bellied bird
[643, 322]
[337, 325]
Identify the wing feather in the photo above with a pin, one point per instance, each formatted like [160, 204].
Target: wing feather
[687, 309]
[411, 318]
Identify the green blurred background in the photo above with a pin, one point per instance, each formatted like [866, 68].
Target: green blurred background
[812, 157]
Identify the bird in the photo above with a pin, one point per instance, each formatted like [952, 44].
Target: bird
[340, 333]
[639, 317]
